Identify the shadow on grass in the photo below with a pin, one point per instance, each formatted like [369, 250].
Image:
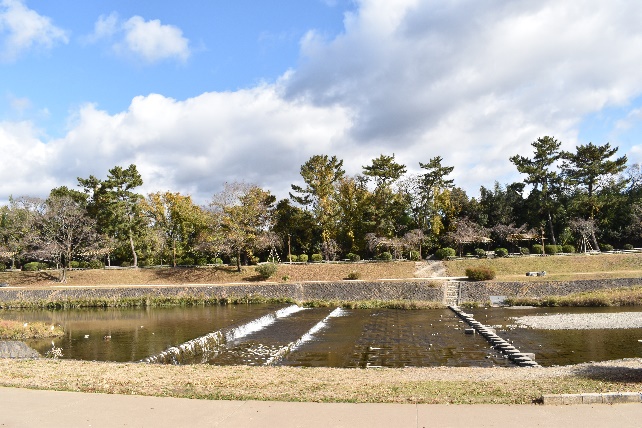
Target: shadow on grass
[191, 273]
[611, 373]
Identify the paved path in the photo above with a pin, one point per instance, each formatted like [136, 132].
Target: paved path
[31, 408]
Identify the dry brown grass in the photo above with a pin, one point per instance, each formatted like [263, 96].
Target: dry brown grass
[411, 385]
[560, 268]
[212, 275]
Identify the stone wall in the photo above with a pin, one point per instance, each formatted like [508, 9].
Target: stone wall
[415, 290]
[344, 290]
[481, 291]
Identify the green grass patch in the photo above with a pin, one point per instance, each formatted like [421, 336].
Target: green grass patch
[629, 296]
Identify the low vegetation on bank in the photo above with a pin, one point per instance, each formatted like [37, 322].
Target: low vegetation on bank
[629, 296]
[14, 330]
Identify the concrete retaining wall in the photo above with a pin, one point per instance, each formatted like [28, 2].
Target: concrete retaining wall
[481, 291]
[418, 290]
[348, 290]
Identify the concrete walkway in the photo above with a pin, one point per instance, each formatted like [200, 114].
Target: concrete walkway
[31, 408]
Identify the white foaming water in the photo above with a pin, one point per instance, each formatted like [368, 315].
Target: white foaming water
[210, 344]
[292, 346]
[260, 323]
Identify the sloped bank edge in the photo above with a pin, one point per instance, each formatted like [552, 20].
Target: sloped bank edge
[431, 292]
[315, 293]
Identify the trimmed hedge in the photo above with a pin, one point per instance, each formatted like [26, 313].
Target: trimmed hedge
[444, 253]
[481, 273]
[501, 252]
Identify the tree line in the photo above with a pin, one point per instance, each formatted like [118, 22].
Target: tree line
[588, 199]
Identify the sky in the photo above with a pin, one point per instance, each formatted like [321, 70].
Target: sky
[197, 93]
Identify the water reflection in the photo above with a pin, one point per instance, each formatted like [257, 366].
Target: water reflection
[322, 337]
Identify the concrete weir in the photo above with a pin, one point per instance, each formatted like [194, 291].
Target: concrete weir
[520, 358]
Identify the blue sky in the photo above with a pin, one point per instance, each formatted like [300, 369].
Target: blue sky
[196, 93]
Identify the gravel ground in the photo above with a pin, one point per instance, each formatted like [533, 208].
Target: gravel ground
[583, 321]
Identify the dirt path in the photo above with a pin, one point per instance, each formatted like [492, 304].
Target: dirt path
[429, 269]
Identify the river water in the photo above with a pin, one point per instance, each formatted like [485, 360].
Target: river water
[324, 337]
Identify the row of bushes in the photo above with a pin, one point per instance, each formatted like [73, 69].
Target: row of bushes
[447, 252]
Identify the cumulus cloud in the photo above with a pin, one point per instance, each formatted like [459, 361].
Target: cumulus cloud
[23, 29]
[192, 146]
[473, 82]
[150, 40]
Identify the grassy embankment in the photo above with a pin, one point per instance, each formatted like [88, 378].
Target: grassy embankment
[411, 385]
[558, 268]
[421, 385]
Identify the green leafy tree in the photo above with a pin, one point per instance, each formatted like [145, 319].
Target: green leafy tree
[18, 226]
[178, 219]
[353, 200]
[593, 173]
[386, 206]
[320, 174]
[115, 205]
[429, 197]
[542, 175]
[296, 227]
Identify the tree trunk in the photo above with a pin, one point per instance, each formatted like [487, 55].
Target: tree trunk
[238, 261]
[131, 244]
[550, 228]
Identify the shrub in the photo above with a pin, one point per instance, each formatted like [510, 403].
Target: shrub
[285, 278]
[550, 249]
[568, 248]
[537, 249]
[628, 247]
[501, 252]
[185, 261]
[253, 260]
[266, 270]
[74, 264]
[524, 251]
[202, 261]
[354, 275]
[125, 264]
[233, 261]
[444, 253]
[3, 267]
[303, 258]
[606, 247]
[31, 266]
[480, 252]
[96, 264]
[480, 273]
[385, 256]
[292, 258]
[353, 257]
[218, 261]
[414, 256]
[316, 257]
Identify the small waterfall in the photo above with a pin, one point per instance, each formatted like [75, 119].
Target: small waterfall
[292, 346]
[209, 345]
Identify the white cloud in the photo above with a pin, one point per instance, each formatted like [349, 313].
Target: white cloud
[192, 146]
[150, 41]
[22, 29]
[473, 82]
